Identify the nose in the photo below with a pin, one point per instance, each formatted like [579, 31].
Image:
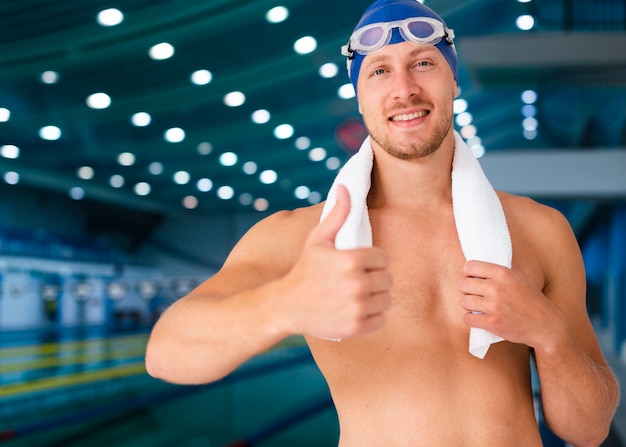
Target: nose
[404, 86]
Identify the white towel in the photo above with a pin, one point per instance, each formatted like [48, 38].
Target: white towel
[480, 222]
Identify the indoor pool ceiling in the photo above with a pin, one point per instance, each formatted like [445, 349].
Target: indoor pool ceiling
[571, 58]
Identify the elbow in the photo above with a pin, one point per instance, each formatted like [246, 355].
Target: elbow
[154, 364]
[594, 441]
[591, 436]
[161, 364]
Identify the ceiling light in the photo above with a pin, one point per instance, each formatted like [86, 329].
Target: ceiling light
[190, 202]
[50, 133]
[10, 151]
[85, 172]
[473, 141]
[155, 168]
[182, 177]
[529, 110]
[303, 143]
[142, 189]
[5, 114]
[305, 45]
[234, 99]
[283, 131]
[141, 119]
[174, 135]
[333, 163]
[98, 100]
[463, 119]
[261, 204]
[529, 96]
[228, 159]
[126, 159]
[346, 91]
[110, 17]
[302, 192]
[77, 193]
[246, 199]
[277, 14]
[530, 123]
[204, 185]
[161, 51]
[530, 134]
[205, 148]
[260, 116]
[314, 197]
[525, 22]
[317, 154]
[116, 181]
[459, 106]
[225, 192]
[468, 131]
[329, 70]
[201, 77]
[478, 150]
[268, 177]
[11, 177]
[50, 77]
[249, 167]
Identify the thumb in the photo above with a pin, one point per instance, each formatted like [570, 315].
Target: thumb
[326, 231]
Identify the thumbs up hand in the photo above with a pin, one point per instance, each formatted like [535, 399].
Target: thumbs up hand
[337, 293]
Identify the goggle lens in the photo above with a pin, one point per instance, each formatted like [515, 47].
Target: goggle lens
[372, 37]
[420, 29]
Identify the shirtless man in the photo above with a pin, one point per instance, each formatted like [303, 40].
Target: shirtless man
[402, 374]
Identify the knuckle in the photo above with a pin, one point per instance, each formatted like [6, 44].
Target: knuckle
[349, 260]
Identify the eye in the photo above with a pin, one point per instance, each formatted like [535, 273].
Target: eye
[378, 72]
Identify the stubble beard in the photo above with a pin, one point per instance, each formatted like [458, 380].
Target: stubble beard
[411, 149]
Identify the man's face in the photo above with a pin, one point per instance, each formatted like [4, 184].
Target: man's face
[405, 93]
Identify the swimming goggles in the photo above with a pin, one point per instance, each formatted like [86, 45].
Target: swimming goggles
[414, 29]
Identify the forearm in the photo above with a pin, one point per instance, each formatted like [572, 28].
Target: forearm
[201, 339]
[579, 394]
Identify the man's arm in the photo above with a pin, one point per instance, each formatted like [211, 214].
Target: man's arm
[579, 391]
[275, 283]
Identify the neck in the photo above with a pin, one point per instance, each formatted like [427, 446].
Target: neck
[419, 183]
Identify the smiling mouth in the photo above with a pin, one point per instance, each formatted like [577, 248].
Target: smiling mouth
[409, 116]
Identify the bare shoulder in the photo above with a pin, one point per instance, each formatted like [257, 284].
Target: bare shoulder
[533, 216]
[274, 243]
[543, 237]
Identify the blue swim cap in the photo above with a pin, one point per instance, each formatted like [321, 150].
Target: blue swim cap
[382, 11]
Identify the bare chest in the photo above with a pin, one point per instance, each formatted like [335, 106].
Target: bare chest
[426, 262]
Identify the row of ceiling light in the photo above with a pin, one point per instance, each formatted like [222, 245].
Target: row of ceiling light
[163, 51]
[304, 45]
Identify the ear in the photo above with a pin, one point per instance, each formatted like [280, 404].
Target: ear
[456, 90]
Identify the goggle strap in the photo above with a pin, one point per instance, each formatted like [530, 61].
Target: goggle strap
[347, 51]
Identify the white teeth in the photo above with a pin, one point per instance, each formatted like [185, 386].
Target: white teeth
[410, 116]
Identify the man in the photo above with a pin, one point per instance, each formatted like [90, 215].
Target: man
[401, 374]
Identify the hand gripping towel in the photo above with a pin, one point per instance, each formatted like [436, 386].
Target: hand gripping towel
[479, 218]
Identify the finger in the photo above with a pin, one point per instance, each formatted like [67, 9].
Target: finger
[326, 232]
[478, 269]
[380, 281]
[472, 285]
[474, 319]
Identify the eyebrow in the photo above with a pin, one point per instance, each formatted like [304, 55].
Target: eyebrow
[373, 59]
